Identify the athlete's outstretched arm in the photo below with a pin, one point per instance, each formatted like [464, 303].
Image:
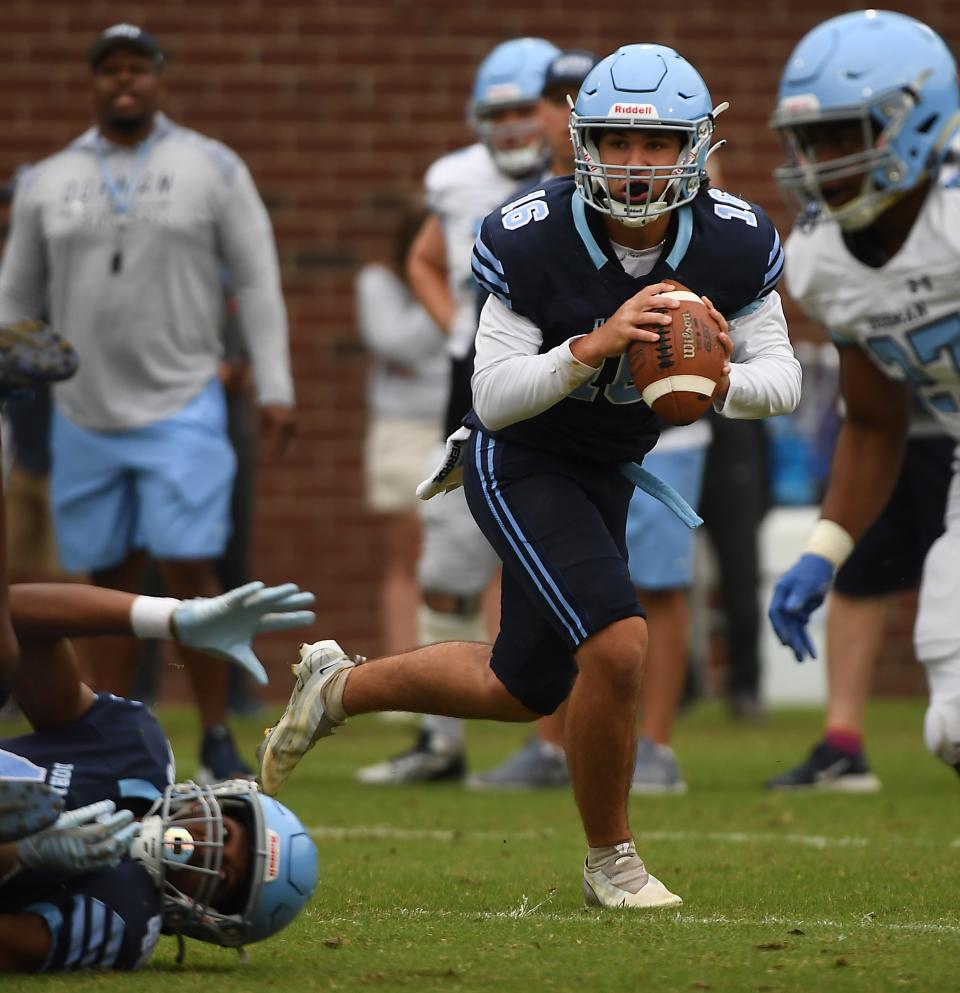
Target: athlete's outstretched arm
[45, 615]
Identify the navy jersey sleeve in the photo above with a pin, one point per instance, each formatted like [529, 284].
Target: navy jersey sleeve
[104, 920]
[116, 751]
[734, 256]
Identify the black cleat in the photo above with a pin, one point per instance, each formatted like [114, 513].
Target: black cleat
[828, 770]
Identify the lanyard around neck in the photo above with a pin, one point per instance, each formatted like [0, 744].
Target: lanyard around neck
[121, 195]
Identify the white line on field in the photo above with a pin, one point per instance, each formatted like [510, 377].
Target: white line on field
[384, 832]
[523, 909]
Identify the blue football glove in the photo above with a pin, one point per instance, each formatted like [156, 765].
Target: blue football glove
[225, 625]
[798, 593]
[97, 836]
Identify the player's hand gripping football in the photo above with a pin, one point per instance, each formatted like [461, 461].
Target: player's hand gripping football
[97, 836]
[798, 593]
[225, 625]
[636, 320]
[723, 385]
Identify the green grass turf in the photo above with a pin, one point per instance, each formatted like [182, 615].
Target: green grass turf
[438, 889]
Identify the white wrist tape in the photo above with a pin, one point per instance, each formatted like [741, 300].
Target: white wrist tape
[831, 541]
[150, 616]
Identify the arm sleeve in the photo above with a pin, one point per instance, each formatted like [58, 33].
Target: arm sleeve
[251, 256]
[512, 381]
[764, 374]
[23, 272]
[108, 920]
[393, 326]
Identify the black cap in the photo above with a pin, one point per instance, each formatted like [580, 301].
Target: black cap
[125, 36]
[569, 69]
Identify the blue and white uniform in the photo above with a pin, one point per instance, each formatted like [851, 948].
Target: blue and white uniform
[108, 919]
[543, 472]
[905, 315]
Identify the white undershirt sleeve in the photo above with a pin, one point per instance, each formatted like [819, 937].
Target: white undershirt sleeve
[765, 375]
[512, 381]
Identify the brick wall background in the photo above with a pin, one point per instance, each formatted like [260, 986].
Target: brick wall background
[338, 108]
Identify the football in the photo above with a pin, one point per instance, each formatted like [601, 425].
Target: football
[676, 376]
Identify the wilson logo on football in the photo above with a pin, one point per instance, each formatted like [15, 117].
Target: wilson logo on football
[271, 868]
[633, 110]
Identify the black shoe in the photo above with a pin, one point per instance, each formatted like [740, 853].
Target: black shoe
[433, 759]
[219, 757]
[829, 770]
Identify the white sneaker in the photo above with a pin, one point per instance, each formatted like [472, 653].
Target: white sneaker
[433, 759]
[305, 720]
[623, 881]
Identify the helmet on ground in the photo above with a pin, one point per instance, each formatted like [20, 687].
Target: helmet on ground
[184, 845]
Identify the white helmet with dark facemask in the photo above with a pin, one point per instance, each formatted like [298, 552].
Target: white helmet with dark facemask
[651, 88]
[182, 847]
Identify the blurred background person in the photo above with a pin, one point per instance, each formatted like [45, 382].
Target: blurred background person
[457, 563]
[126, 233]
[406, 399]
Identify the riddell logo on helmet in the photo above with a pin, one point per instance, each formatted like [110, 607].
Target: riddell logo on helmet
[271, 868]
[633, 110]
[801, 103]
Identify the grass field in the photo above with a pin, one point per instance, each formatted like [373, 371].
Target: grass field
[438, 889]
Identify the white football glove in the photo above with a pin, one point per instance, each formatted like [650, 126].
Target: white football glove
[97, 836]
[225, 625]
[449, 474]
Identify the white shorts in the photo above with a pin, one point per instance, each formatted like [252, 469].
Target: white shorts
[396, 458]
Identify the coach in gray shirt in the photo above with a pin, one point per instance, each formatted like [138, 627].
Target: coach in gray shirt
[122, 239]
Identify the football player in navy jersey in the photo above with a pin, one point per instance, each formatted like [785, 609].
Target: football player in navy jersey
[869, 112]
[219, 863]
[577, 269]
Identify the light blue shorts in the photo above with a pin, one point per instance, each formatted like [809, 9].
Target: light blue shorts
[659, 544]
[164, 487]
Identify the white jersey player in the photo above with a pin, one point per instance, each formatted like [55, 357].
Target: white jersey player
[457, 562]
[876, 259]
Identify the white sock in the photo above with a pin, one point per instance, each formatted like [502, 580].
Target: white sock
[452, 729]
[333, 695]
[597, 857]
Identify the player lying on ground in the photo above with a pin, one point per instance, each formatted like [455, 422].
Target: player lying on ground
[222, 864]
